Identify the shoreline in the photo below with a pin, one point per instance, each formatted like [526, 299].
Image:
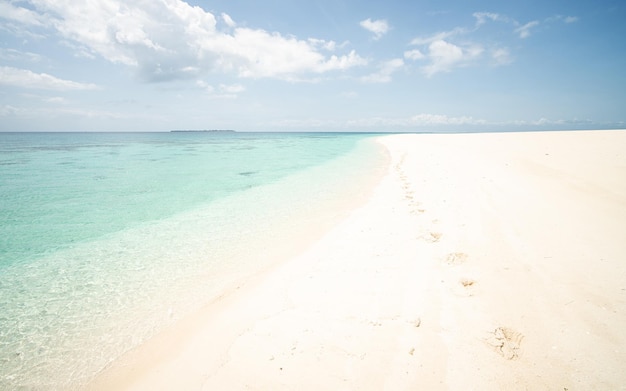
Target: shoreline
[493, 261]
[200, 230]
[288, 237]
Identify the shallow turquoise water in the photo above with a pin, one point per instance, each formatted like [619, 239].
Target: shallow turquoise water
[59, 189]
[106, 238]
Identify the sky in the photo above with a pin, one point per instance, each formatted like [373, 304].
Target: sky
[314, 65]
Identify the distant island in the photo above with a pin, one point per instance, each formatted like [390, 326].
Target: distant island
[207, 130]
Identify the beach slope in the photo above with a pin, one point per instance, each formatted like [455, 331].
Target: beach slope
[481, 261]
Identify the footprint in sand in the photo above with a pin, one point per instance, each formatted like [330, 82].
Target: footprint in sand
[417, 211]
[465, 288]
[432, 237]
[456, 258]
[506, 342]
[467, 282]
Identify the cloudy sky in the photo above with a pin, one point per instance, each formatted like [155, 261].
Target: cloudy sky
[342, 65]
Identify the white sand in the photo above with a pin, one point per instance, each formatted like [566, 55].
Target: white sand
[481, 261]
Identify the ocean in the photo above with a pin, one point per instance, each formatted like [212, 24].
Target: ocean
[107, 238]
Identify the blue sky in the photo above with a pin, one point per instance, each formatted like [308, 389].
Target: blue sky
[338, 65]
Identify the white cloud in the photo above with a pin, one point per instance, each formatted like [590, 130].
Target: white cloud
[164, 40]
[204, 85]
[304, 124]
[481, 17]
[446, 50]
[501, 56]
[232, 88]
[8, 54]
[60, 111]
[439, 119]
[228, 20]
[573, 123]
[57, 100]
[561, 18]
[20, 14]
[27, 79]
[257, 53]
[415, 121]
[378, 27]
[331, 46]
[222, 91]
[386, 69]
[433, 122]
[8, 110]
[443, 35]
[444, 56]
[414, 54]
[384, 123]
[524, 31]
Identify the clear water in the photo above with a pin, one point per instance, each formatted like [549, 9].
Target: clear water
[106, 238]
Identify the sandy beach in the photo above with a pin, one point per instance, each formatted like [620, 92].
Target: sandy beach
[480, 261]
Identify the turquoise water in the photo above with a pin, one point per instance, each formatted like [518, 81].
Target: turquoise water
[106, 238]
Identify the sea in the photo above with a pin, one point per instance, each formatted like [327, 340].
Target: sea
[108, 238]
